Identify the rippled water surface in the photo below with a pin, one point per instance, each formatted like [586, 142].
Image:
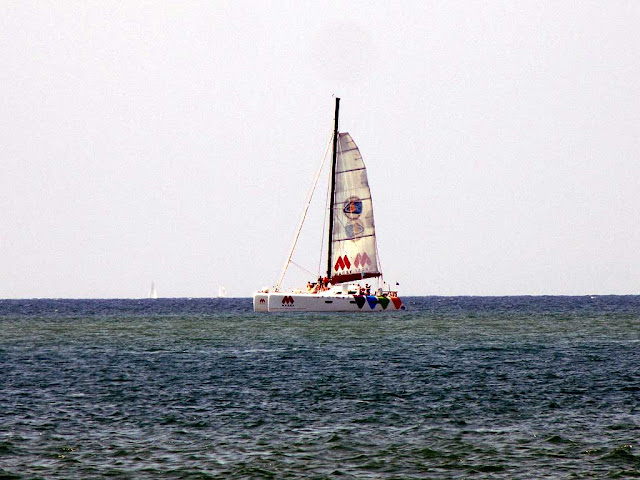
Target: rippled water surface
[457, 387]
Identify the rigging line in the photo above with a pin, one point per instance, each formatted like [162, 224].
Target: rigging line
[326, 208]
[301, 268]
[324, 220]
[304, 216]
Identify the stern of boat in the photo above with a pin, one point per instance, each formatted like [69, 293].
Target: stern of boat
[261, 302]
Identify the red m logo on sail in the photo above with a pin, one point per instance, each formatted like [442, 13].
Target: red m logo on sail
[362, 260]
[342, 263]
[287, 300]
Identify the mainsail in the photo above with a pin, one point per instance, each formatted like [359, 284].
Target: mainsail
[353, 240]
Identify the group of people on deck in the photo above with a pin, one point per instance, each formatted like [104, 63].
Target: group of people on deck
[324, 284]
[320, 286]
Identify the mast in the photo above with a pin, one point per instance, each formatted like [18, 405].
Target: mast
[333, 186]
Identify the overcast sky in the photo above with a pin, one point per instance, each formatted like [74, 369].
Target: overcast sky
[176, 143]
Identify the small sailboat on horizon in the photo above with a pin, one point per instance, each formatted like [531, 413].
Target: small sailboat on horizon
[153, 293]
[352, 252]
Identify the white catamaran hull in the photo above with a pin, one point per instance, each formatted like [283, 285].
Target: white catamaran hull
[309, 302]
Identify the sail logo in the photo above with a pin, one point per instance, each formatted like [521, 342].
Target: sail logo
[287, 301]
[354, 230]
[342, 263]
[362, 260]
[353, 208]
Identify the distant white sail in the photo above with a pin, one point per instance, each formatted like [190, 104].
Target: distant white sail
[222, 292]
[353, 252]
[153, 293]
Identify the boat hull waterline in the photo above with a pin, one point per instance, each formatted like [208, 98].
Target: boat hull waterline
[309, 302]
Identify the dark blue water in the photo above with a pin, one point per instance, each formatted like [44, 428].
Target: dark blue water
[461, 387]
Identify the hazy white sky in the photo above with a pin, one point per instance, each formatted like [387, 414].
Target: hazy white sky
[176, 142]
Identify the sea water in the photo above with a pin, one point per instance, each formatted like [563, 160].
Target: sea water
[456, 387]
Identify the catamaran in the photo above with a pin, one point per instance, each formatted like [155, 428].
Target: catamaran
[352, 253]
